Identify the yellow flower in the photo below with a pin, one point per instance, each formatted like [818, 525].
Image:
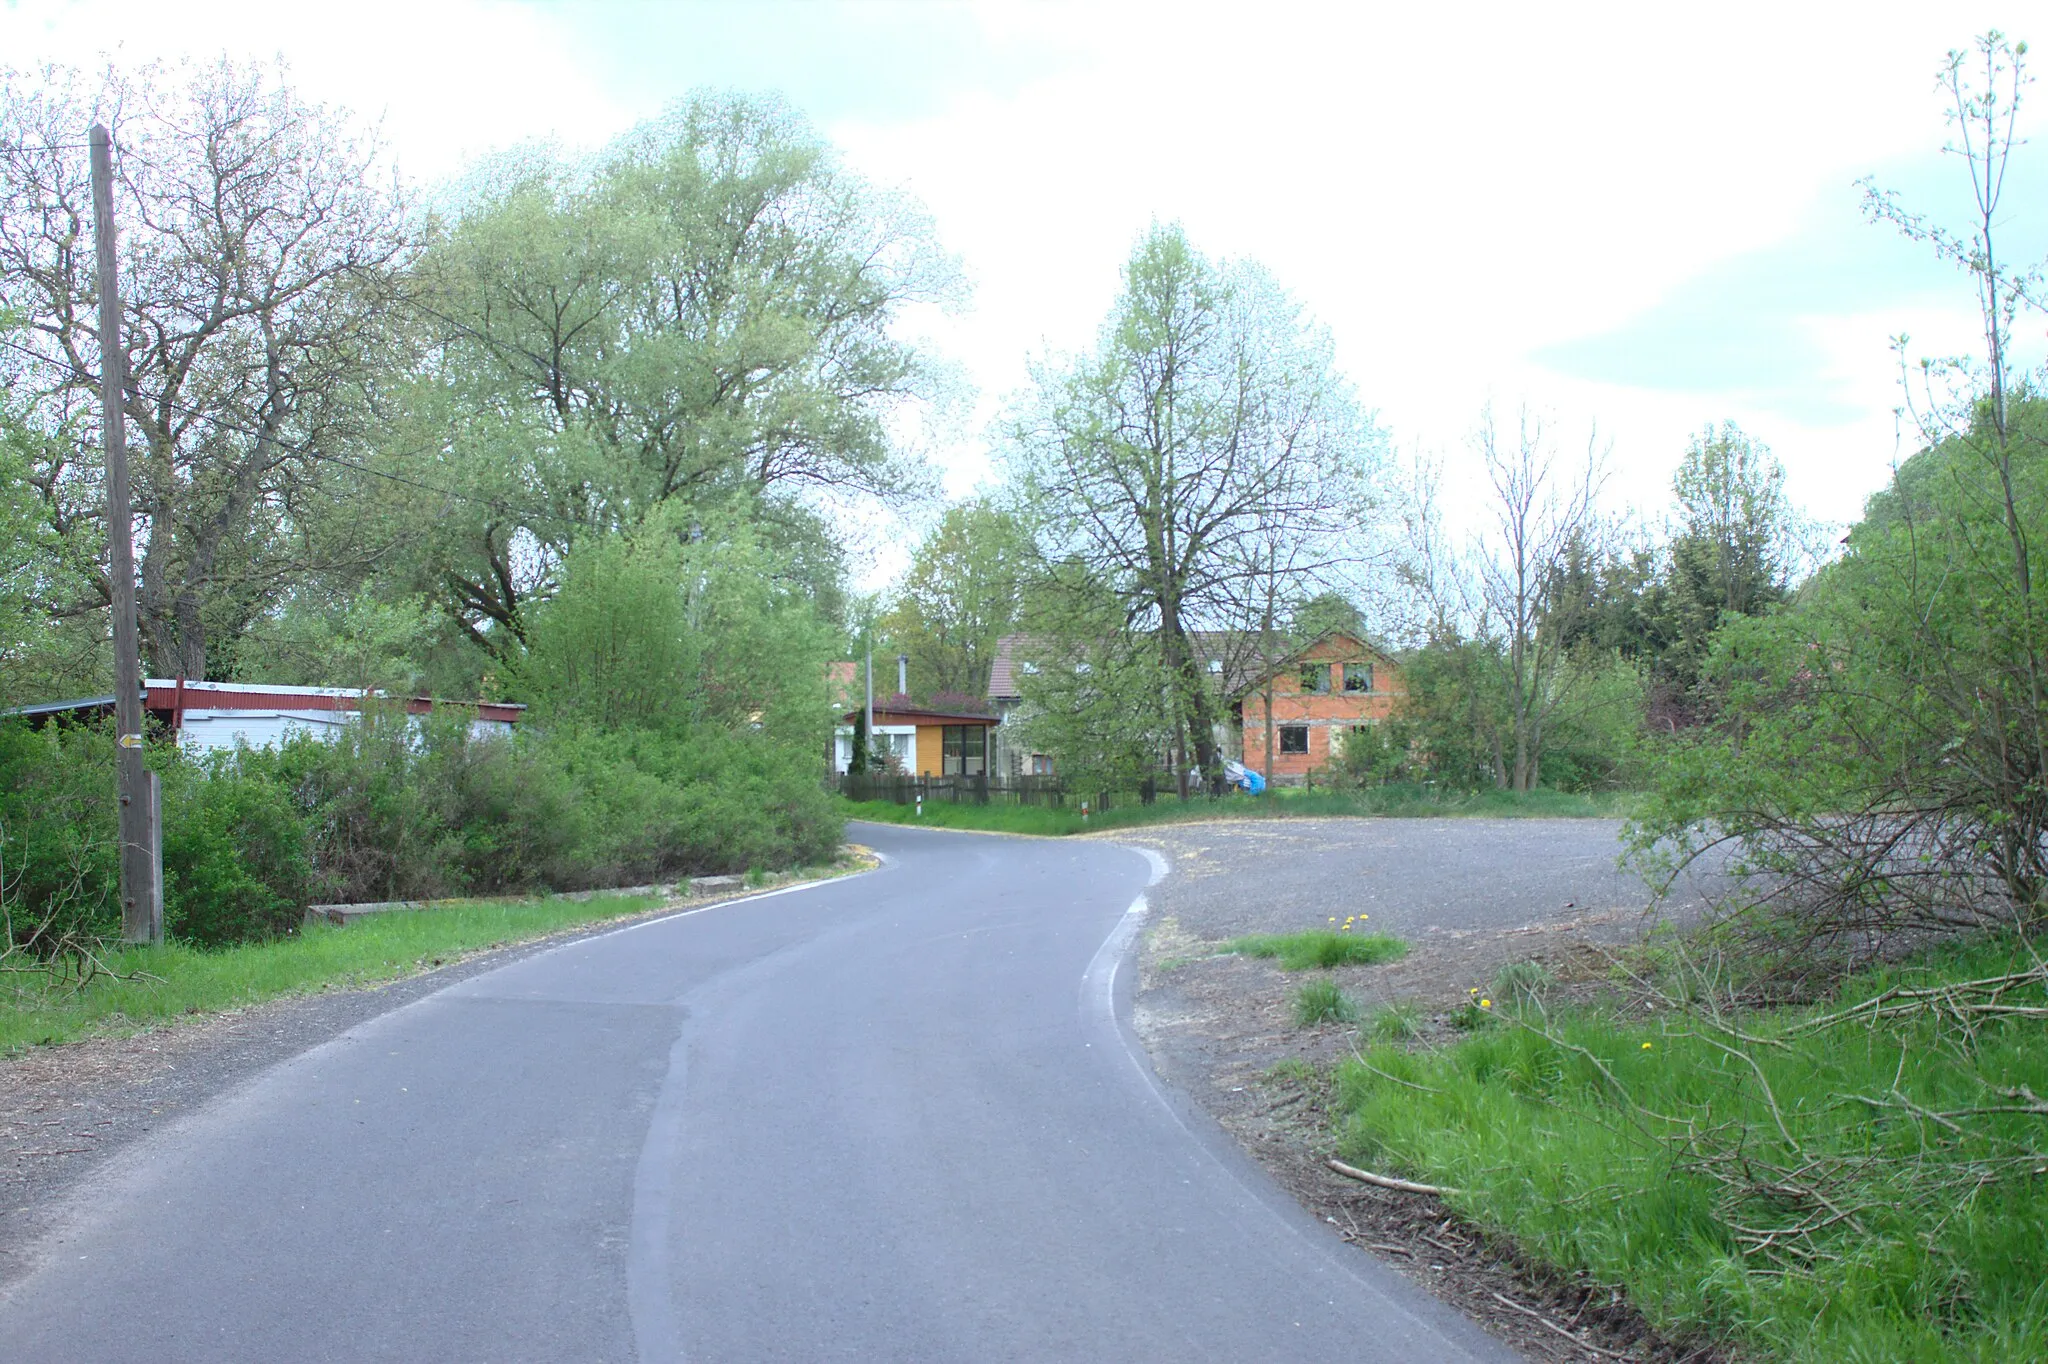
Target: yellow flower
[1333, 918]
[1486, 1004]
[1646, 1046]
[1474, 991]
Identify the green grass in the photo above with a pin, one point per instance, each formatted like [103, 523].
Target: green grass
[1320, 1001]
[34, 1010]
[1290, 1070]
[1320, 948]
[1396, 1022]
[1791, 1194]
[1289, 803]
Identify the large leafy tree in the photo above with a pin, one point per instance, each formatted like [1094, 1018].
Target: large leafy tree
[1205, 439]
[963, 592]
[261, 255]
[704, 317]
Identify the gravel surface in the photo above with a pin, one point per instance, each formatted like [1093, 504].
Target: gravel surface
[1469, 896]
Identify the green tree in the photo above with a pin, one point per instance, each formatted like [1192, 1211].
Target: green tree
[1730, 555]
[705, 318]
[679, 633]
[1206, 437]
[1093, 694]
[263, 251]
[962, 593]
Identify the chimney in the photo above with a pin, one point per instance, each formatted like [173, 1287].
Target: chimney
[903, 674]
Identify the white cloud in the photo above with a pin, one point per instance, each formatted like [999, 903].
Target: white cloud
[1453, 190]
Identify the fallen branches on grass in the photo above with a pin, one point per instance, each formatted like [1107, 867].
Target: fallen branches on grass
[1389, 1182]
[1962, 1002]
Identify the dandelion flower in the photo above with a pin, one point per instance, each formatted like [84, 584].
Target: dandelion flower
[1646, 1046]
[1333, 918]
[1486, 1004]
[1474, 991]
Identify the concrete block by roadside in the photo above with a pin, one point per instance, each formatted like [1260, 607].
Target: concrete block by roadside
[348, 914]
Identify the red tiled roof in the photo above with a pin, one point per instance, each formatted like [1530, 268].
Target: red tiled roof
[1002, 670]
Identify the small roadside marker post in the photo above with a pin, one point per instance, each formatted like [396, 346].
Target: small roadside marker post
[1084, 812]
[920, 805]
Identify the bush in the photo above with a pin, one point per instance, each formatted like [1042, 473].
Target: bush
[58, 838]
[235, 849]
[235, 857]
[395, 807]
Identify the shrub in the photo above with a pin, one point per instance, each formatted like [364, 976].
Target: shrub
[58, 837]
[235, 858]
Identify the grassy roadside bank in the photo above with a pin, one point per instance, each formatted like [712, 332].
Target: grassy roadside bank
[1864, 1179]
[164, 983]
[1386, 801]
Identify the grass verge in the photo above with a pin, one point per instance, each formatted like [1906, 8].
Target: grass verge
[1320, 948]
[36, 1010]
[1290, 803]
[1865, 1180]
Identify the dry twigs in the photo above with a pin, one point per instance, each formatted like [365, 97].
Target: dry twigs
[1388, 1181]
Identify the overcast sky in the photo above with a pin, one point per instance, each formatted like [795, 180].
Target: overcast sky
[1625, 215]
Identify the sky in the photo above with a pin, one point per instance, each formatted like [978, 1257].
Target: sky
[1633, 219]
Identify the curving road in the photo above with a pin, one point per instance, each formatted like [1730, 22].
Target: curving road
[894, 1117]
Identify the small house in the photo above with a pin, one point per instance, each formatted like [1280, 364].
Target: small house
[921, 741]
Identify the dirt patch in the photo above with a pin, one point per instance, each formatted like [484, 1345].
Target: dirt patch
[1469, 897]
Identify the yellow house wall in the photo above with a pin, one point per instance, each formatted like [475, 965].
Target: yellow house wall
[931, 749]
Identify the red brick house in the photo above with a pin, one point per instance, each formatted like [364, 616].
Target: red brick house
[1320, 694]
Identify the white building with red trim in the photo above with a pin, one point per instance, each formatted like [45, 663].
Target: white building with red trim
[206, 716]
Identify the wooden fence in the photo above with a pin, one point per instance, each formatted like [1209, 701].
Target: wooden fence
[1054, 792]
[980, 789]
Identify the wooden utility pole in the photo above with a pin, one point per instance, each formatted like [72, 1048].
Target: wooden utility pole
[142, 897]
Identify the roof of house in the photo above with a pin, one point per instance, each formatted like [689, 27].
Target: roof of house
[1255, 676]
[1235, 650]
[916, 713]
[174, 694]
[842, 681]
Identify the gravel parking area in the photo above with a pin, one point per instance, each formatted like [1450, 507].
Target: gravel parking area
[1468, 896]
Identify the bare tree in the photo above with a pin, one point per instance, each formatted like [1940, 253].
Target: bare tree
[1539, 517]
[260, 253]
[1500, 602]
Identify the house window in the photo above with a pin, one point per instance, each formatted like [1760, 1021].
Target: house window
[1041, 765]
[1294, 738]
[1358, 677]
[1315, 677]
[1215, 667]
[965, 750]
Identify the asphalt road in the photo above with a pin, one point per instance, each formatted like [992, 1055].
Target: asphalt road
[895, 1117]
